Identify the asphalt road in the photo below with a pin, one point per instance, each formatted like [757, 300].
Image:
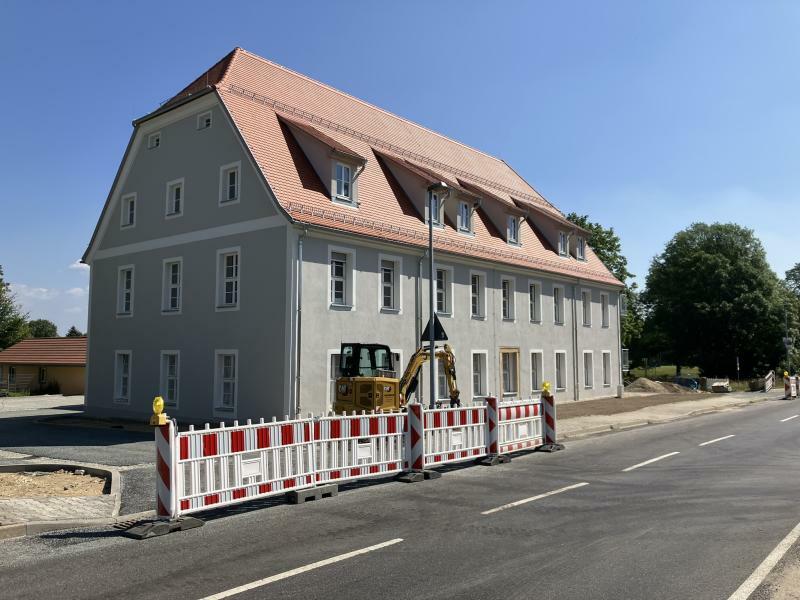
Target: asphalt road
[694, 524]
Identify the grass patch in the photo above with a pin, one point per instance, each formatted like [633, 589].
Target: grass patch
[664, 371]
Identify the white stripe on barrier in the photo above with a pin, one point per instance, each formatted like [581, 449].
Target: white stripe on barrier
[519, 425]
[454, 434]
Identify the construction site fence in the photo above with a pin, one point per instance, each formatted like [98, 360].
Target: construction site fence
[205, 468]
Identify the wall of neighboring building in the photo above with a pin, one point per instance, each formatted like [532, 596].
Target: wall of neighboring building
[325, 328]
[70, 380]
[257, 330]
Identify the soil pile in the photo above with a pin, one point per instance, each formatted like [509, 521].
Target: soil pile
[655, 387]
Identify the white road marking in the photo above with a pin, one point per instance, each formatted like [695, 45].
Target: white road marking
[532, 498]
[652, 460]
[726, 437]
[789, 418]
[761, 572]
[299, 570]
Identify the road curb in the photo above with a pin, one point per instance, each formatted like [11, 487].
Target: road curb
[624, 426]
[17, 530]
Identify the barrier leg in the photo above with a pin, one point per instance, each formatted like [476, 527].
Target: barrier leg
[550, 441]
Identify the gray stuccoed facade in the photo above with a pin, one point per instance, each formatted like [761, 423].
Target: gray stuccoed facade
[206, 289]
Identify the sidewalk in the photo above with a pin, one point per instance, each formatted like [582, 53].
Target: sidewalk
[592, 417]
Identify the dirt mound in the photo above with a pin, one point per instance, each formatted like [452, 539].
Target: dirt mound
[656, 387]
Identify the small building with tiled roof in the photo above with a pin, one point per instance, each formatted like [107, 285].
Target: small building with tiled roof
[260, 218]
[44, 365]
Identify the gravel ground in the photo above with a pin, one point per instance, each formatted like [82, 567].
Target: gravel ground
[57, 483]
[138, 489]
[613, 406]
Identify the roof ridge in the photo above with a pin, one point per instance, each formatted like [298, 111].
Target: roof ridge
[369, 104]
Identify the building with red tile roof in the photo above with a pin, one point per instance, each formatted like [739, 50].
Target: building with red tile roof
[41, 364]
[335, 191]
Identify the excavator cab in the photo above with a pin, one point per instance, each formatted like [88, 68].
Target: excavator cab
[368, 379]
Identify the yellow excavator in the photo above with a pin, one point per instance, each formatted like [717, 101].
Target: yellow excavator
[369, 380]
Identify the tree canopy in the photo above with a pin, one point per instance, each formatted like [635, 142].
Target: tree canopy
[42, 328]
[793, 279]
[712, 296]
[74, 332]
[13, 322]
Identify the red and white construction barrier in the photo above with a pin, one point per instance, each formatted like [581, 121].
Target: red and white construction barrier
[549, 406]
[234, 464]
[208, 468]
[350, 447]
[454, 434]
[790, 387]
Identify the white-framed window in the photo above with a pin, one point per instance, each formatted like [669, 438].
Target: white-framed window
[226, 379]
[537, 370]
[580, 248]
[174, 199]
[334, 372]
[464, 217]
[477, 291]
[586, 307]
[588, 369]
[563, 243]
[123, 366]
[442, 393]
[509, 368]
[125, 275]
[172, 285]
[480, 374]
[343, 183]
[435, 207]
[341, 278]
[229, 263]
[561, 370]
[604, 317]
[558, 304]
[230, 184]
[154, 140]
[390, 270]
[606, 368]
[444, 291]
[204, 120]
[42, 376]
[512, 230]
[535, 301]
[507, 298]
[170, 376]
[128, 211]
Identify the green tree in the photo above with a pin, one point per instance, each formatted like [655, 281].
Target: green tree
[793, 279]
[74, 332]
[13, 322]
[711, 296]
[607, 246]
[42, 328]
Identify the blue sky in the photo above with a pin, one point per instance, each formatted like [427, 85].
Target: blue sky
[645, 115]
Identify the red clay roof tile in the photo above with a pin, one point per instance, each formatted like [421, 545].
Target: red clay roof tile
[46, 351]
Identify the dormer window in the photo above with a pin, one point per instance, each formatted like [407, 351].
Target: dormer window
[435, 208]
[344, 183]
[580, 249]
[464, 217]
[512, 230]
[563, 243]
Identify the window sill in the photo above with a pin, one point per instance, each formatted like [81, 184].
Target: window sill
[229, 202]
[444, 315]
[467, 232]
[588, 387]
[605, 327]
[173, 215]
[390, 311]
[171, 311]
[122, 401]
[508, 319]
[559, 323]
[227, 308]
[342, 201]
[340, 307]
[128, 226]
[558, 389]
[587, 324]
[536, 321]
[606, 385]
[478, 317]
[124, 315]
[224, 409]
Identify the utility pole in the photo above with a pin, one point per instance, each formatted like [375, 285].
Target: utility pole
[431, 278]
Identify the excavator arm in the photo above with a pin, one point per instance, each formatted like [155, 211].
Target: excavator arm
[408, 382]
